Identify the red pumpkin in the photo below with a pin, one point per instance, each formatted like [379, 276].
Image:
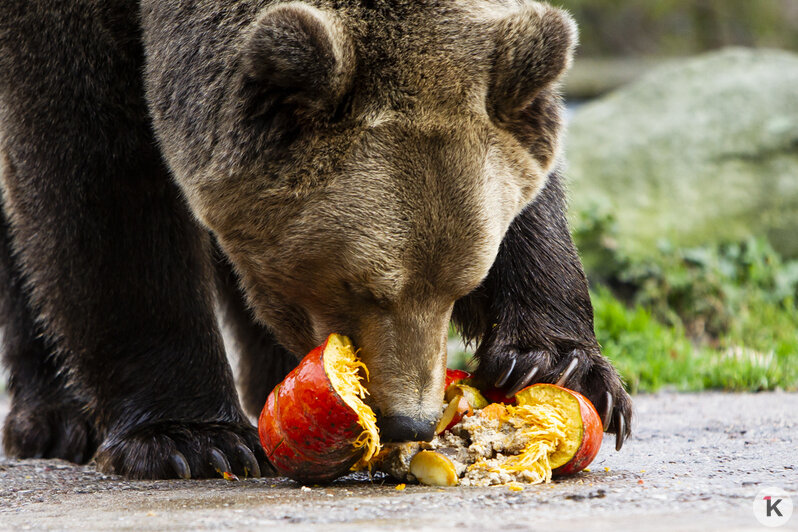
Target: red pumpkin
[454, 376]
[314, 426]
[584, 430]
[496, 395]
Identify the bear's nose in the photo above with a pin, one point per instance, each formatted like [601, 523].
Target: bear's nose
[405, 428]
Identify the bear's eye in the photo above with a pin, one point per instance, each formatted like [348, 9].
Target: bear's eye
[364, 294]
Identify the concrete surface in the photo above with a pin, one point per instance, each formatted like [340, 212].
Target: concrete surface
[696, 462]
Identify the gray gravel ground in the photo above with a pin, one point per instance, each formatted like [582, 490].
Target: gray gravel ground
[695, 463]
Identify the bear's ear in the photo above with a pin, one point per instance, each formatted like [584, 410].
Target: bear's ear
[301, 55]
[534, 46]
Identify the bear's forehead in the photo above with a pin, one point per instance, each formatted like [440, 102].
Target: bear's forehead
[419, 52]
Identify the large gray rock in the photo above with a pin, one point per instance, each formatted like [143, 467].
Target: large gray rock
[695, 152]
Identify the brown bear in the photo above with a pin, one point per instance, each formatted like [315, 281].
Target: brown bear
[374, 168]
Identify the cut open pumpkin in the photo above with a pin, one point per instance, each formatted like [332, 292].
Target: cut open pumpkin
[315, 426]
[549, 431]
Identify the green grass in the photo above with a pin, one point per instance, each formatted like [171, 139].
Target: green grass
[718, 316]
[762, 354]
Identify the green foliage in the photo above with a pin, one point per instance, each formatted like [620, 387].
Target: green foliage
[713, 290]
[718, 316]
[650, 355]
[647, 353]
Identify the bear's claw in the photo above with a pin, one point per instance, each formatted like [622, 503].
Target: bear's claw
[524, 381]
[563, 380]
[248, 461]
[180, 465]
[183, 449]
[218, 461]
[503, 378]
[620, 436]
[582, 369]
[57, 430]
[606, 416]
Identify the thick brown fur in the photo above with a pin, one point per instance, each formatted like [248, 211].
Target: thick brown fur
[372, 168]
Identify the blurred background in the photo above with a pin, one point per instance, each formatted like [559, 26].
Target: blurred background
[682, 163]
[620, 39]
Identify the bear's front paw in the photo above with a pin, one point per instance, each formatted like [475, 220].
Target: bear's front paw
[586, 371]
[180, 449]
[58, 429]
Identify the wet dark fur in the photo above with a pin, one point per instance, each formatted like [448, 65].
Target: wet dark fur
[108, 279]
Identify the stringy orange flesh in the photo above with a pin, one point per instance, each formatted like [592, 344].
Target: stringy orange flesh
[343, 368]
[542, 428]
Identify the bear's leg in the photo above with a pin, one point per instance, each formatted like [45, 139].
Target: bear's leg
[119, 271]
[533, 316]
[125, 290]
[263, 362]
[46, 419]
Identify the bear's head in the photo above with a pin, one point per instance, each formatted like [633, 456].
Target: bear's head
[366, 164]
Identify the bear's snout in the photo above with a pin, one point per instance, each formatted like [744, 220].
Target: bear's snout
[405, 428]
